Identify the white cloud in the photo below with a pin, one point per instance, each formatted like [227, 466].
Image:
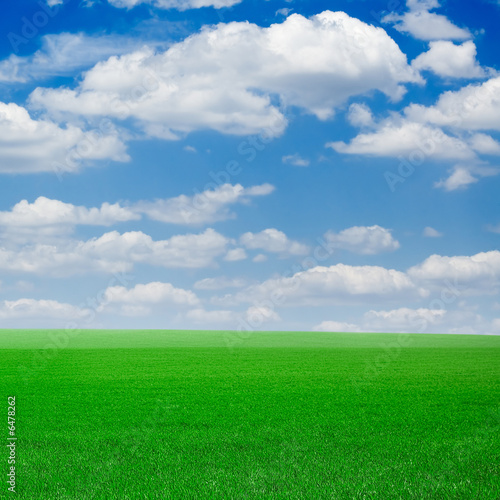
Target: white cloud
[479, 273]
[494, 229]
[336, 326]
[235, 255]
[334, 285]
[448, 60]
[258, 315]
[64, 54]
[209, 206]
[462, 176]
[254, 316]
[363, 240]
[425, 25]
[400, 137]
[295, 160]
[28, 146]
[44, 309]
[474, 107]
[459, 178]
[175, 4]
[360, 115]
[219, 283]
[416, 134]
[495, 325]
[260, 258]
[46, 212]
[47, 216]
[484, 144]
[430, 232]
[114, 252]
[315, 64]
[203, 317]
[283, 12]
[274, 241]
[405, 319]
[149, 294]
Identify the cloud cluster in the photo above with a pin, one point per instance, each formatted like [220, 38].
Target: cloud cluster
[338, 284]
[48, 217]
[425, 25]
[64, 54]
[29, 146]
[448, 60]
[114, 252]
[224, 77]
[175, 4]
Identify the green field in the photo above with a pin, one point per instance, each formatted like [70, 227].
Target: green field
[195, 415]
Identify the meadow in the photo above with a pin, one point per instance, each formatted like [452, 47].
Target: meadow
[278, 415]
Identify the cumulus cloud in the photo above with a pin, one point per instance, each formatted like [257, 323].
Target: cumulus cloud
[64, 54]
[45, 212]
[315, 64]
[211, 205]
[474, 107]
[408, 320]
[114, 252]
[254, 316]
[295, 160]
[397, 136]
[363, 240]
[175, 4]
[448, 60]
[219, 283]
[462, 176]
[40, 309]
[149, 294]
[336, 284]
[336, 326]
[28, 146]
[425, 25]
[405, 319]
[430, 232]
[235, 254]
[274, 241]
[479, 273]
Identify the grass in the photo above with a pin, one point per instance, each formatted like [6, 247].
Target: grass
[178, 415]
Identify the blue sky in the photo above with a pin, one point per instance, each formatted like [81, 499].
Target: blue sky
[250, 164]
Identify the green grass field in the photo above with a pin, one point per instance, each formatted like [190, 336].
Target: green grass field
[180, 415]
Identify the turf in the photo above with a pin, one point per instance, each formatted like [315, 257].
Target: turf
[147, 415]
